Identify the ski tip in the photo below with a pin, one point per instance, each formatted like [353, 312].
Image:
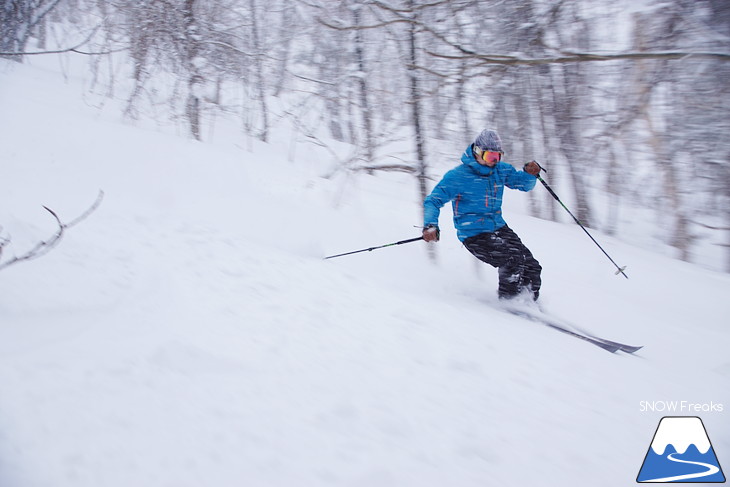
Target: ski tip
[627, 349]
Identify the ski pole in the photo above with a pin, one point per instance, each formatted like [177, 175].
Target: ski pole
[379, 247]
[552, 193]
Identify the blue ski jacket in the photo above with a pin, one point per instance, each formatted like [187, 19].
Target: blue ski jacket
[475, 192]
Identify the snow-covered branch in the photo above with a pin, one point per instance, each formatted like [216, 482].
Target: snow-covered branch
[45, 246]
[577, 57]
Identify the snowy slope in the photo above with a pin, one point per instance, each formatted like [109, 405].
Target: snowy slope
[188, 333]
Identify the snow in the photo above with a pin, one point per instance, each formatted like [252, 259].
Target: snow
[189, 333]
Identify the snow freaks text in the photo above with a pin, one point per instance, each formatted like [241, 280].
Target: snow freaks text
[680, 407]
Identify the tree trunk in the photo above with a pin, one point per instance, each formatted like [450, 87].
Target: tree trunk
[416, 114]
[195, 80]
[363, 88]
[566, 119]
[416, 108]
[259, 67]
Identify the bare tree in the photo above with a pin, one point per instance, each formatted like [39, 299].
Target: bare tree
[192, 60]
[260, 80]
[603, 114]
[362, 81]
[18, 20]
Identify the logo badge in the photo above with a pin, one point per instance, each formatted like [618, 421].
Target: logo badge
[680, 452]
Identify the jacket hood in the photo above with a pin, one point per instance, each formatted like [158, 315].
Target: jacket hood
[468, 159]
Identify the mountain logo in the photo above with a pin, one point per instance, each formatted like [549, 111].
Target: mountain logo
[680, 452]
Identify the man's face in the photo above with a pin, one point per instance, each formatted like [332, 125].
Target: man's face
[489, 158]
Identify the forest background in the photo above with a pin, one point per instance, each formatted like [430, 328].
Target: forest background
[625, 103]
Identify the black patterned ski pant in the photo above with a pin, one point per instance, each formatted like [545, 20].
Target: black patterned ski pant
[503, 249]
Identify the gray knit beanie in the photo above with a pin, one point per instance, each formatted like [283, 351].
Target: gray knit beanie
[489, 140]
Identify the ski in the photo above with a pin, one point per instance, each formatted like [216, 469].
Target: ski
[605, 346]
[622, 346]
[608, 345]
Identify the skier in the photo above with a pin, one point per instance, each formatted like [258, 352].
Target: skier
[475, 190]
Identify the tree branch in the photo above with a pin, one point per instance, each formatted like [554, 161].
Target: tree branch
[387, 167]
[3, 242]
[711, 227]
[69, 49]
[361, 27]
[576, 57]
[45, 246]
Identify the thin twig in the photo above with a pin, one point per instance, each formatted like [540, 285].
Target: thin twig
[70, 49]
[45, 246]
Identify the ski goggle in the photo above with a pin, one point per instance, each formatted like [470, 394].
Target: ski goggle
[488, 155]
